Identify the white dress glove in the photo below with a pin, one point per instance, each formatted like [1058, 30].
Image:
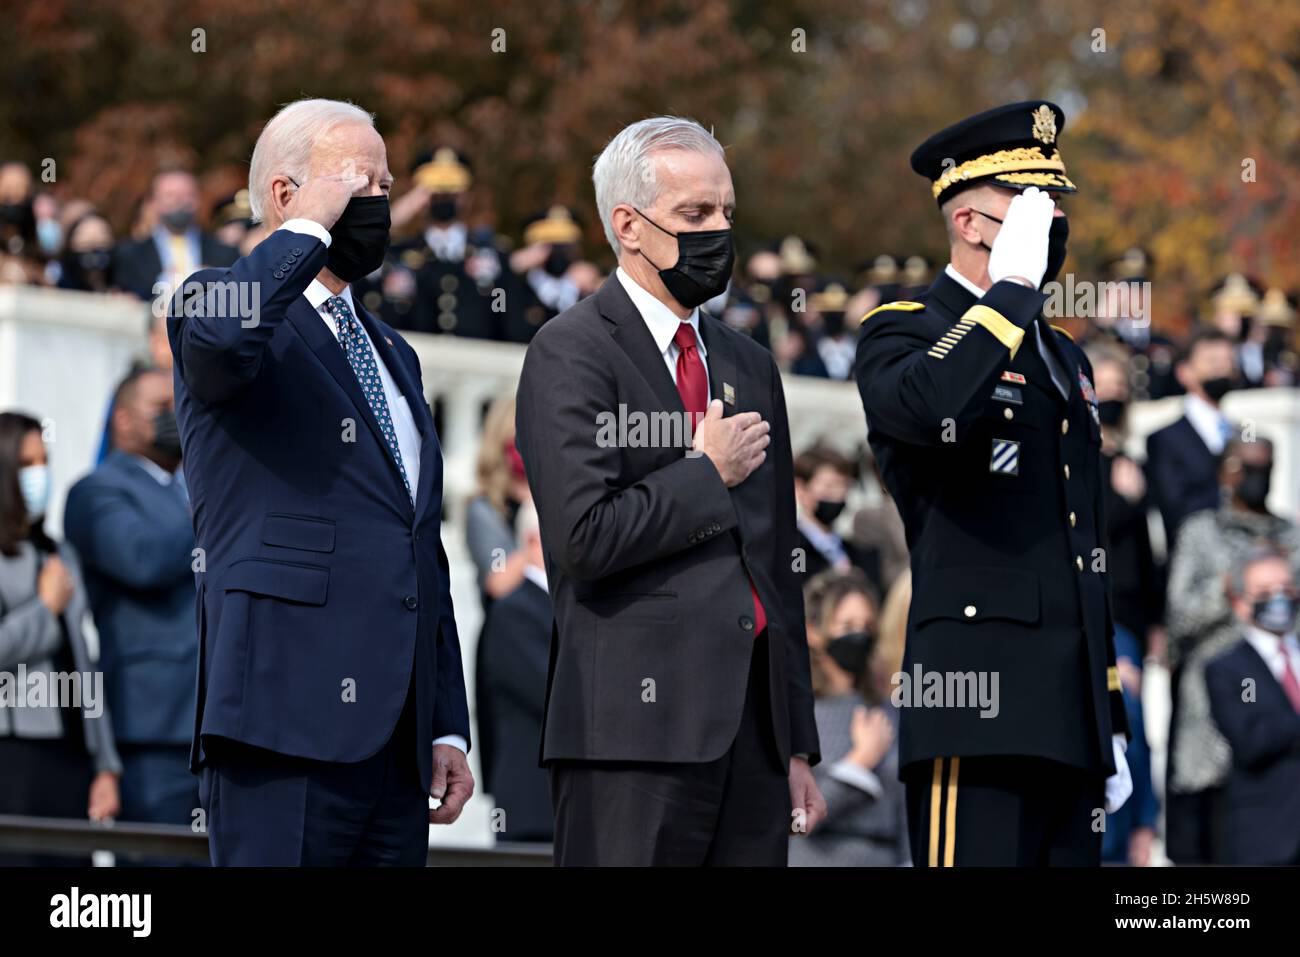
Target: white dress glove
[1020, 248]
[1120, 784]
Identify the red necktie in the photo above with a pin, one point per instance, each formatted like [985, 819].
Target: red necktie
[693, 387]
[1289, 683]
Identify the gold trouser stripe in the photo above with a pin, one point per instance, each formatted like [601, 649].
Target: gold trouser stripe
[950, 822]
[1002, 328]
[936, 793]
[1112, 679]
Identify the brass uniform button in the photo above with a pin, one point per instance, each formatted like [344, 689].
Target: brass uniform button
[1067, 471]
[1008, 413]
[1078, 562]
[969, 611]
[1073, 520]
[1065, 426]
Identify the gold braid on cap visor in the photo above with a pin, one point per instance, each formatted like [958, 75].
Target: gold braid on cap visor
[1026, 162]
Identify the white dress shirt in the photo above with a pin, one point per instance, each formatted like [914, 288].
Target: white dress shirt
[662, 323]
[1059, 378]
[1210, 424]
[408, 433]
[447, 242]
[1275, 650]
[537, 576]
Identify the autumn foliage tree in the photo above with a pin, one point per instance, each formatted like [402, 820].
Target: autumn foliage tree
[1183, 130]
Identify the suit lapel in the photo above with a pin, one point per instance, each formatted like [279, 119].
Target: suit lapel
[721, 362]
[321, 341]
[633, 337]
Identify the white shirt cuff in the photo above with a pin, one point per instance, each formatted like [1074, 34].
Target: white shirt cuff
[855, 775]
[1121, 742]
[308, 227]
[455, 740]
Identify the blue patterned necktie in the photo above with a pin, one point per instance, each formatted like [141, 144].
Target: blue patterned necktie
[362, 359]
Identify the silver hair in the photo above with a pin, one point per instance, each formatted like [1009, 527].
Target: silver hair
[286, 142]
[625, 169]
[1262, 551]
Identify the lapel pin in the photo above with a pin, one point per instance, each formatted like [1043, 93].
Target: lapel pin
[728, 393]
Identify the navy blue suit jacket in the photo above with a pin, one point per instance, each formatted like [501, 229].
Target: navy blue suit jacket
[1183, 472]
[326, 594]
[1263, 815]
[136, 542]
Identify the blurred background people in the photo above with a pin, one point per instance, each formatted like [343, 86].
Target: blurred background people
[1136, 580]
[822, 479]
[865, 823]
[57, 754]
[552, 247]
[1183, 458]
[129, 520]
[20, 253]
[1254, 692]
[441, 281]
[491, 514]
[175, 247]
[1131, 830]
[86, 263]
[513, 658]
[1201, 625]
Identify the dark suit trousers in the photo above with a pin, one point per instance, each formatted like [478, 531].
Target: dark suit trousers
[731, 811]
[269, 809]
[1003, 812]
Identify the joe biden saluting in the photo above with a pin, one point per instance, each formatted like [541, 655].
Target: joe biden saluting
[679, 720]
[331, 698]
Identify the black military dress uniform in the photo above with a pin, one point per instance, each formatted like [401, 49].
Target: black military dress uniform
[983, 420]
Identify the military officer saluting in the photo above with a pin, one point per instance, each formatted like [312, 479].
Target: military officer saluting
[984, 423]
[450, 278]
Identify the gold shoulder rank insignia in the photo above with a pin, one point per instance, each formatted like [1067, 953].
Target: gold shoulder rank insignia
[1064, 333]
[902, 305]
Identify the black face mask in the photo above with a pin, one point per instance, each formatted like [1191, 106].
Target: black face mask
[1254, 485]
[19, 215]
[704, 261]
[827, 512]
[1110, 412]
[178, 220]
[1276, 613]
[1217, 388]
[91, 270]
[1057, 239]
[558, 262]
[442, 209]
[360, 238]
[167, 434]
[851, 652]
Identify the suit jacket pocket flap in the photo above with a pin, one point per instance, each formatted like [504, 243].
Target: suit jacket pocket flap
[291, 581]
[298, 531]
[975, 593]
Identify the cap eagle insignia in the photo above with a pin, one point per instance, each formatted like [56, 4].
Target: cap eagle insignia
[1044, 124]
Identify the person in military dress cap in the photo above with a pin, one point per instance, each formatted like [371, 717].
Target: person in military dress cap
[983, 421]
[1124, 317]
[552, 246]
[449, 278]
[232, 217]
